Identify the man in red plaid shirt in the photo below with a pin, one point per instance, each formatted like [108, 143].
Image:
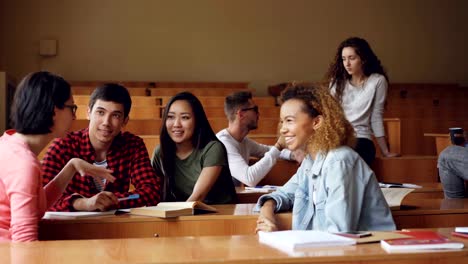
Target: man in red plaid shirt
[103, 144]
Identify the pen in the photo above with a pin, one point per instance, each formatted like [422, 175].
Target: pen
[130, 197]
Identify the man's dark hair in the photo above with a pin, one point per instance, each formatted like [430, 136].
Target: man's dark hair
[112, 92]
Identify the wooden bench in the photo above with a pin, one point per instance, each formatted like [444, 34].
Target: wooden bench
[87, 90]
[407, 168]
[137, 100]
[208, 91]
[429, 190]
[441, 141]
[218, 101]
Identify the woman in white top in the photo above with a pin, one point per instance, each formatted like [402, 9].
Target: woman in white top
[359, 82]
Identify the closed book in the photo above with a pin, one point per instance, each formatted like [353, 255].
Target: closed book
[460, 234]
[173, 209]
[420, 240]
[292, 240]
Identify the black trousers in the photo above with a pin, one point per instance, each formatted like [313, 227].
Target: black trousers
[366, 149]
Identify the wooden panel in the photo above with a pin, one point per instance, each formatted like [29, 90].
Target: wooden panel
[205, 91]
[281, 172]
[136, 100]
[237, 219]
[429, 190]
[265, 112]
[151, 141]
[245, 249]
[87, 90]
[441, 141]
[406, 169]
[218, 101]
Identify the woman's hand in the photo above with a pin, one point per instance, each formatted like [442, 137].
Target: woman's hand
[84, 168]
[391, 155]
[265, 224]
[267, 220]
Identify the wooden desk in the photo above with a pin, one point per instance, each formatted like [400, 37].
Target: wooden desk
[425, 213]
[428, 190]
[230, 220]
[236, 220]
[212, 249]
[441, 140]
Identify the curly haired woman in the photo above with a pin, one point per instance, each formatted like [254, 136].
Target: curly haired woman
[333, 189]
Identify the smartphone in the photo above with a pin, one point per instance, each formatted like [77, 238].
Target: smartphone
[355, 234]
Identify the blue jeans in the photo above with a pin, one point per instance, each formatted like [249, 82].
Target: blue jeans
[453, 171]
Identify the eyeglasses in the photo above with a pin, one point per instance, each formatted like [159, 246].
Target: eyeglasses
[73, 108]
[254, 108]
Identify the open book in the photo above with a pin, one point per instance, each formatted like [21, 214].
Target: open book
[398, 185]
[173, 209]
[419, 240]
[292, 240]
[394, 196]
[75, 215]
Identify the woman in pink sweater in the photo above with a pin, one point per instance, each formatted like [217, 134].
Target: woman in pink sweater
[43, 109]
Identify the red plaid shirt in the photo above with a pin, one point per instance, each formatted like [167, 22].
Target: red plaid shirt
[127, 157]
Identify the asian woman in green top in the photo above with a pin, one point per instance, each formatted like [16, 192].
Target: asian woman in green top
[190, 157]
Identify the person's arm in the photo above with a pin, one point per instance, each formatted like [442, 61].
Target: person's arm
[143, 177]
[240, 169]
[267, 221]
[377, 117]
[57, 155]
[22, 187]
[58, 184]
[213, 159]
[206, 180]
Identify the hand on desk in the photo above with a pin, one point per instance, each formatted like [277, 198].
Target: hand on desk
[265, 224]
[102, 201]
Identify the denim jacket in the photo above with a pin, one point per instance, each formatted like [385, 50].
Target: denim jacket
[336, 192]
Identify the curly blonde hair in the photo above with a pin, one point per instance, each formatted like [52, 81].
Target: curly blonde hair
[335, 130]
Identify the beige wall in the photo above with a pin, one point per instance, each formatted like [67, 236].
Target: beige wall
[260, 41]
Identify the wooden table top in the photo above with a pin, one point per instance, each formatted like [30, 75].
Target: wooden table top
[210, 249]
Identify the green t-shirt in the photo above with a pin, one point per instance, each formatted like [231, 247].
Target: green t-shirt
[188, 170]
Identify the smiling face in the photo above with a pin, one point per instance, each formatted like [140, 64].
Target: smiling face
[351, 61]
[180, 122]
[296, 125]
[106, 120]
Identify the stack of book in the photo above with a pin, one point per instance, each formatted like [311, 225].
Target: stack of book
[460, 232]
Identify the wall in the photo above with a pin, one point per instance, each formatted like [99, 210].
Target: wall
[2, 35]
[262, 41]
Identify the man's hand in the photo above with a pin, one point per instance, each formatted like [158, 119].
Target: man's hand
[102, 201]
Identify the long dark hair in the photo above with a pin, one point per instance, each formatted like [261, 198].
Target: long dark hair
[202, 134]
[337, 74]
